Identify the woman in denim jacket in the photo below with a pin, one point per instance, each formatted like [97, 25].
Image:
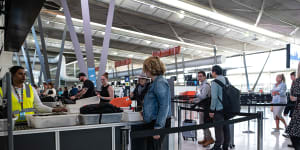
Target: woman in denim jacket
[157, 101]
[279, 97]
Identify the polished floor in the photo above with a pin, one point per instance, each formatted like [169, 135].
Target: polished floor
[242, 141]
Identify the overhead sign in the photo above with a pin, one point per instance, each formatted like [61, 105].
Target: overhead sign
[123, 62]
[168, 52]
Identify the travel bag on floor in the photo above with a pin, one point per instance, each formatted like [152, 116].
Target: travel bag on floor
[189, 134]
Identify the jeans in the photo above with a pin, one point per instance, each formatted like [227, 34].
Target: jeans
[296, 142]
[148, 143]
[221, 131]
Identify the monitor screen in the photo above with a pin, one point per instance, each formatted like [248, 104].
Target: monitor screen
[293, 55]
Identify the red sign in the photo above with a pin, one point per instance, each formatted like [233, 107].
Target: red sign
[168, 52]
[123, 62]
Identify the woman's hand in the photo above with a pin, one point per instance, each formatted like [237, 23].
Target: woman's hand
[292, 98]
[156, 137]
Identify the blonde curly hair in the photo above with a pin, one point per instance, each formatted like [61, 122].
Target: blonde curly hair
[154, 66]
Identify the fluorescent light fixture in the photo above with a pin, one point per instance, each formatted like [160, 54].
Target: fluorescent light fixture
[115, 53]
[220, 17]
[152, 6]
[103, 33]
[181, 15]
[148, 42]
[228, 29]
[130, 56]
[207, 23]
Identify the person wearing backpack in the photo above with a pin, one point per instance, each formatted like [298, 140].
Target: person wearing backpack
[221, 131]
[203, 100]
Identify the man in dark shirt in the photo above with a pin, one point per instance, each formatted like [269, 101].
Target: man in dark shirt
[88, 88]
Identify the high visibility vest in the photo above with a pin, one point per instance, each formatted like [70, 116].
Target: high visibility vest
[28, 105]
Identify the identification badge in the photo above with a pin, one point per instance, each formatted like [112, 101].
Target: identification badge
[22, 116]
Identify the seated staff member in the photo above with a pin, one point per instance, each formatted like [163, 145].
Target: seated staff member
[88, 89]
[157, 101]
[107, 92]
[140, 91]
[25, 98]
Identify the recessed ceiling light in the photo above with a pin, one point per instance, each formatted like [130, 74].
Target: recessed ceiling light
[263, 39]
[115, 53]
[130, 56]
[247, 34]
[166, 45]
[228, 29]
[148, 42]
[102, 33]
[207, 23]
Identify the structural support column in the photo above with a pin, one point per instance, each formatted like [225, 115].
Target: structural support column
[215, 54]
[88, 40]
[79, 56]
[17, 58]
[28, 65]
[44, 51]
[60, 58]
[245, 66]
[104, 52]
[34, 59]
[39, 53]
[262, 69]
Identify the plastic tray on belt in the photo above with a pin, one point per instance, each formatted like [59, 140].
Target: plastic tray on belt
[52, 120]
[3, 124]
[132, 116]
[88, 119]
[75, 108]
[111, 118]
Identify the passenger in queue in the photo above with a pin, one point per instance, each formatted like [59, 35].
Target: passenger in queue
[24, 97]
[45, 89]
[203, 99]
[88, 89]
[51, 90]
[279, 97]
[157, 101]
[140, 91]
[107, 92]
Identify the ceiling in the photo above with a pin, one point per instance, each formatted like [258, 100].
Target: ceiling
[143, 26]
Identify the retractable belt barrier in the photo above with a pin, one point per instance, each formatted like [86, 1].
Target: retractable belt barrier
[147, 133]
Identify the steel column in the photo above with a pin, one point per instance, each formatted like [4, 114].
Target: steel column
[28, 65]
[246, 71]
[60, 58]
[42, 64]
[34, 59]
[215, 54]
[106, 41]
[44, 50]
[179, 125]
[88, 40]
[260, 131]
[9, 112]
[262, 69]
[81, 63]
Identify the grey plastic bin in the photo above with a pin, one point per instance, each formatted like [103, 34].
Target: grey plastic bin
[111, 118]
[88, 119]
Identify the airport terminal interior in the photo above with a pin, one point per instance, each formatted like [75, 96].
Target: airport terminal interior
[150, 74]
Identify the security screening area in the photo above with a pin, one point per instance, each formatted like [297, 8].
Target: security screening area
[149, 75]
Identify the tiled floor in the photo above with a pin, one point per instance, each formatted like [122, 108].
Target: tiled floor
[244, 141]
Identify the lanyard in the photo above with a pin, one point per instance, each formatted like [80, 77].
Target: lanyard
[20, 100]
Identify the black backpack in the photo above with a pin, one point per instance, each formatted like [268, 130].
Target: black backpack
[231, 99]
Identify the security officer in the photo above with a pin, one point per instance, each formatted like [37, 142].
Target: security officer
[25, 99]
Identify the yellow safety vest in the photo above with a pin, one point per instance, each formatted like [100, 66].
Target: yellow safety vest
[28, 105]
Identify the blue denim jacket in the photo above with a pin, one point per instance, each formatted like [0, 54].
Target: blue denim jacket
[157, 103]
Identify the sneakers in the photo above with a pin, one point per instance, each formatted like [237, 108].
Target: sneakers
[202, 142]
[275, 131]
[208, 142]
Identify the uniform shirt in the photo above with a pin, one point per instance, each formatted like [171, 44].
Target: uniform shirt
[38, 105]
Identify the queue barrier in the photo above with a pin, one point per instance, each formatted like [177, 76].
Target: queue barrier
[179, 129]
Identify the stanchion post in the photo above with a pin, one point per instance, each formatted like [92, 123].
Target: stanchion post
[179, 124]
[248, 131]
[260, 131]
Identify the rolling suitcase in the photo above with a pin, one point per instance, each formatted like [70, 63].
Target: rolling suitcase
[189, 134]
[231, 132]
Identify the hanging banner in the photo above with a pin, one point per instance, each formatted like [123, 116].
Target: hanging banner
[168, 52]
[92, 75]
[123, 62]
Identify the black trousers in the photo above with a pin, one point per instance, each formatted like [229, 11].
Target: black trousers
[148, 143]
[296, 142]
[222, 132]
